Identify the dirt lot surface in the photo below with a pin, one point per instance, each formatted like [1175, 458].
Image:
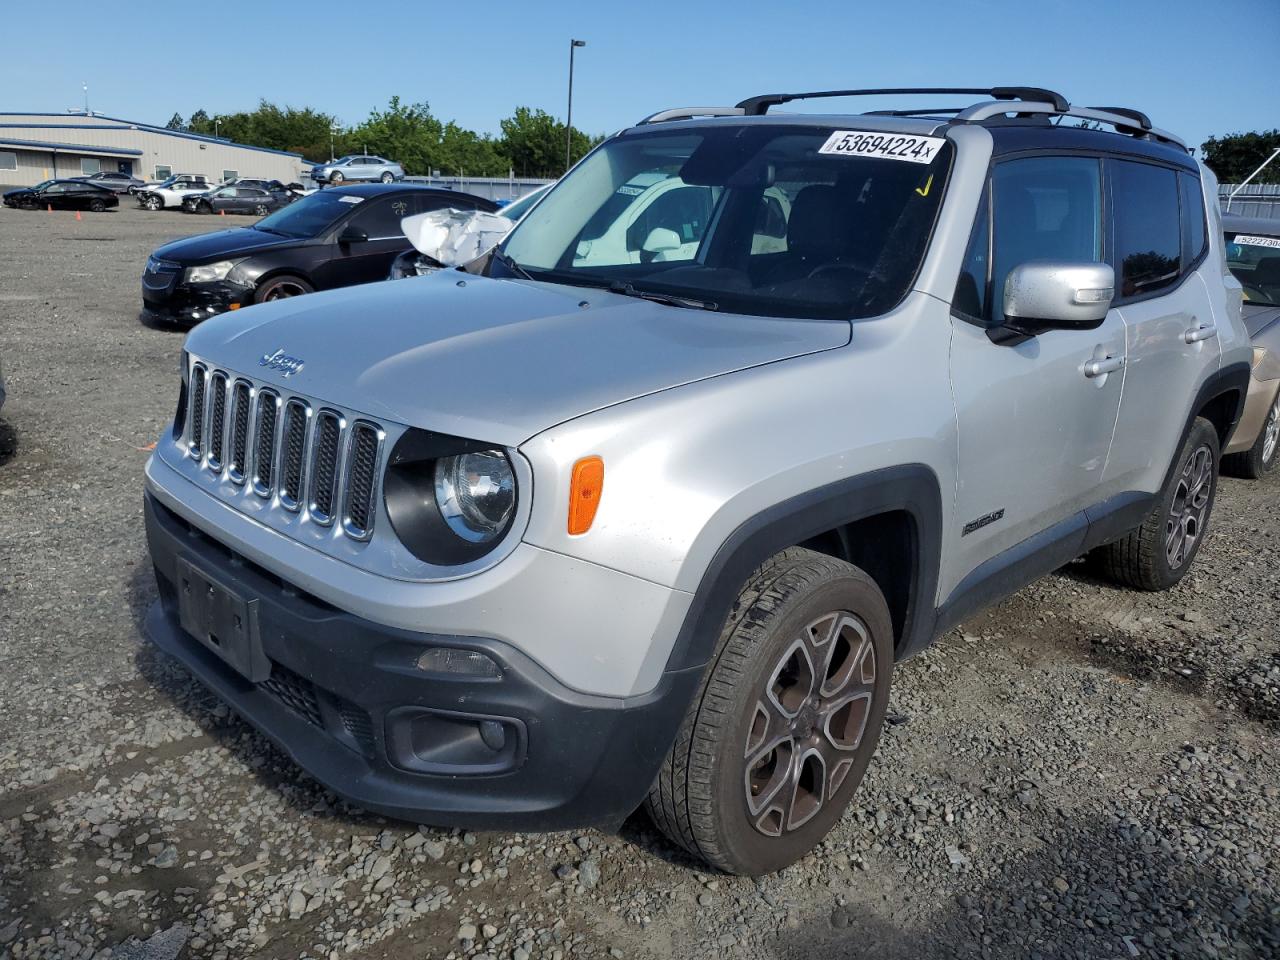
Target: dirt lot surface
[1081, 772]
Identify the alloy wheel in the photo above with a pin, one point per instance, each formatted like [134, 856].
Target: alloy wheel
[284, 289]
[1271, 432]
[808, 723]
[1190, 507]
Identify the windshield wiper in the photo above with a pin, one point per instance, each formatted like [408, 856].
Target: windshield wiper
[626, 289]
[506, 260]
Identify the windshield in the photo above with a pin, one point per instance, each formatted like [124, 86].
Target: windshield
[42, 184]
[518, 208]
[1254, 259]
[763, 219]
[310, 216]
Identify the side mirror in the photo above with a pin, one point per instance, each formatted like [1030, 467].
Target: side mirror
[352, 235]
[661, 240]
[1054, 295]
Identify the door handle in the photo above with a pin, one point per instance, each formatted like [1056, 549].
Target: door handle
[1202, 332]
[1097, 368]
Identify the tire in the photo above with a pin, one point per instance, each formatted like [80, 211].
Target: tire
[387, 177]
[26, 204]
[1259, 460]
[96, 205]
[336, 178]
[728, 791]
[206, 208]
[281, 287]
[260, 210]
[153, 203]
[1160, 552]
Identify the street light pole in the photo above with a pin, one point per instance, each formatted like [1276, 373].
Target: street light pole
[568, 123]
[217, 122]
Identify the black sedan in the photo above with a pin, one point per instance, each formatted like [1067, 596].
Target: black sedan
[114, 181]
[62, 195]
[236, 198]
[335, 238]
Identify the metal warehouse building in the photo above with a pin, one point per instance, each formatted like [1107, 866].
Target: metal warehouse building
[41, 146]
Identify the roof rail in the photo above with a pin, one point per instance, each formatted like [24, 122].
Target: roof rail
[757, 106]
[687, 113]
[1122, 118]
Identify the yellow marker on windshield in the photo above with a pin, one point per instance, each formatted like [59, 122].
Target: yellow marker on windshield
[924, 191]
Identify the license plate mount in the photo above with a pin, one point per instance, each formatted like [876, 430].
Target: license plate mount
[223, 620]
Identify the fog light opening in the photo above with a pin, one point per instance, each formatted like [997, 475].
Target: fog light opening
[452, 661]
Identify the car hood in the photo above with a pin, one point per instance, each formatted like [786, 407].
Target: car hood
[1259, 317]
[493, 360]
[209, 247]
[17, 193]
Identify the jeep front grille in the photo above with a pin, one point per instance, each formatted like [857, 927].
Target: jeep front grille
[321, 464]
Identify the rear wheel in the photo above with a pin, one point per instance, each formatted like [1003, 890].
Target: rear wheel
[1260, 459]
[387, 177]
[786, 721]
[1160, 552]
[282, 287]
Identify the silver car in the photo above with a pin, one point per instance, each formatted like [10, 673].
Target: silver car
[649, 521]
[361, 167]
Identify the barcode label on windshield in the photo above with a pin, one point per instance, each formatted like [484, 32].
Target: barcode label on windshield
[1257, 241]
[890, 146]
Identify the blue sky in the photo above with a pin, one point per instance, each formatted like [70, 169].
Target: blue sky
[1185, 63]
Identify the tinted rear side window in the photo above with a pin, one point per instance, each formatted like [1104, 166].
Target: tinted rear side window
[1194, 232]
[1148, 235]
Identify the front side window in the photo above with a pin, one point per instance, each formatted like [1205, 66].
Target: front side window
[89, 165]
[1042, 208]
[1148, 244]
[759, 219]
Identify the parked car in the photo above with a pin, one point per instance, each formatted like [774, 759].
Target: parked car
[333, 238]
[357, 168]
[170, 193]
[1253, 255]
[62, 195]
[418, 262]
[237, 199]
[194, 178]
[526, 547]
[114, 181]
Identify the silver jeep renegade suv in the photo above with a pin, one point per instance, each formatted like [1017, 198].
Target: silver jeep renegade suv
[643, 506]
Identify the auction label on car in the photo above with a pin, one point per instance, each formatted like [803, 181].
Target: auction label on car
[890, 146]
[1257, 241]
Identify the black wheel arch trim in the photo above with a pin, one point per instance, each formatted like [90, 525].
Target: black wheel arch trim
[1233, 378]
[910, 488]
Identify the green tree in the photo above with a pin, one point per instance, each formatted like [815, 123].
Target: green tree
[1235, 156]
[176, 123]
[200, 123]
[406, 133]
[534, 142]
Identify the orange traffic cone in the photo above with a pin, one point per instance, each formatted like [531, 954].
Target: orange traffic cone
[78, 215]
[50, 210]
[222, 213]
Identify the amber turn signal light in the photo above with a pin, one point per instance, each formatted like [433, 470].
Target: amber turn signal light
[585, 487]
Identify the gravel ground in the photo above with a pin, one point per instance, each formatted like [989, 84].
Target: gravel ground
[1081, 772]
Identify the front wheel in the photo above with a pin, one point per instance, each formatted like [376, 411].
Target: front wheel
[282, 287]
[1260, 459]
[787, 719]
[152, 203]
[1160, 552]
[261, 210]
[336, 177]
[97, 206]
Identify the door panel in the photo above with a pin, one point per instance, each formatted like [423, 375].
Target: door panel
[1035, 428]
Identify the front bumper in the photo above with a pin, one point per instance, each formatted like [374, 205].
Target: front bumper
[343, 697]
[193, 302]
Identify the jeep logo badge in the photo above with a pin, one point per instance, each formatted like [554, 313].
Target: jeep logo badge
[281, 361]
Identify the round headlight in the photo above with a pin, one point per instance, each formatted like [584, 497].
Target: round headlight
[476, 493]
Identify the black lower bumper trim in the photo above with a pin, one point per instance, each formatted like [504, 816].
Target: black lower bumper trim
[339, 683]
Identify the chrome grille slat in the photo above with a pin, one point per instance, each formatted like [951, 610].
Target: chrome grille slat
[325, 467]
[195, 435]
[241, 400]
[314, 462]
[217, 419]
[264, 448]
[293, 452]
[362, 475]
